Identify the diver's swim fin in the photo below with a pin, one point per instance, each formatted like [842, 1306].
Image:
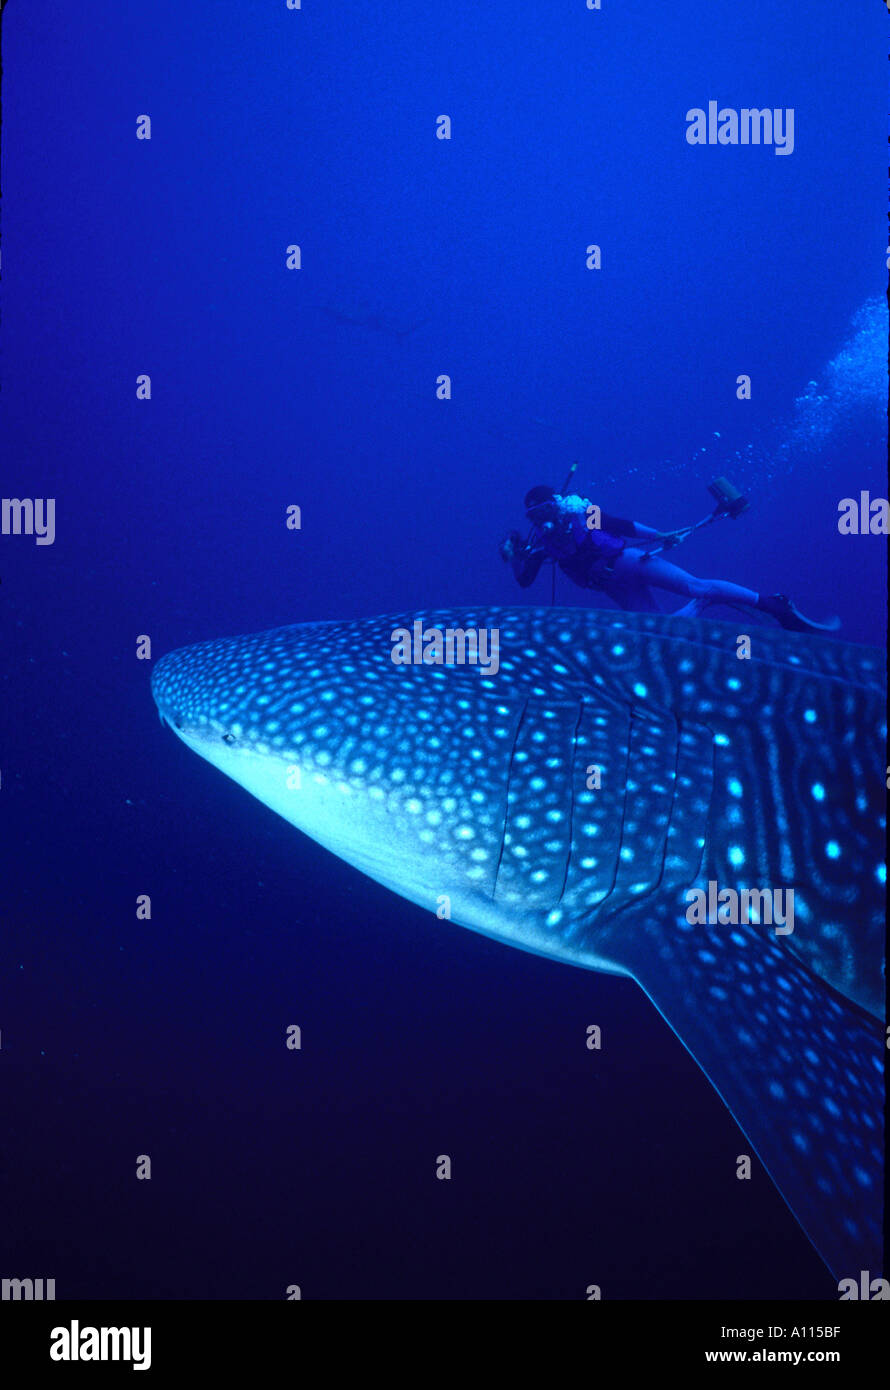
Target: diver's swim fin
[780, 607]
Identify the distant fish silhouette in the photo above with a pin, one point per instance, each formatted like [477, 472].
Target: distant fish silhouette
[362, 315]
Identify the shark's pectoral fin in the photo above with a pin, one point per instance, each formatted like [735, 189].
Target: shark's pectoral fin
[800, 1069]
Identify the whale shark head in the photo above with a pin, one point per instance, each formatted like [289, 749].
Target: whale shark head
[573, 796]
[403, 767]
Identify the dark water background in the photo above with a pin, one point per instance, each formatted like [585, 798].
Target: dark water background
[121, 256]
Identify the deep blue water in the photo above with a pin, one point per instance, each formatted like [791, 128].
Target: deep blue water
[272, 387]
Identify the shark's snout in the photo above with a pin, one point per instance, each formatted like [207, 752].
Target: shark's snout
[194, 689]
[178, 703]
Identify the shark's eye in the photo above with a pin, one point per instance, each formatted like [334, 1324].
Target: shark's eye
[228, 738]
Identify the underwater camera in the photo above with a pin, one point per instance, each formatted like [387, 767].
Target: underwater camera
[730, 501]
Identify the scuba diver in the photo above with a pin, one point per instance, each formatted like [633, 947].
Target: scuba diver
[595, 550]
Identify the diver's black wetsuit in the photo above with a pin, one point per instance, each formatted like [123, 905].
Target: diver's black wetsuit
[589, 559]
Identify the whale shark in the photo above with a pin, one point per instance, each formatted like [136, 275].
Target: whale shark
[575, 797]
